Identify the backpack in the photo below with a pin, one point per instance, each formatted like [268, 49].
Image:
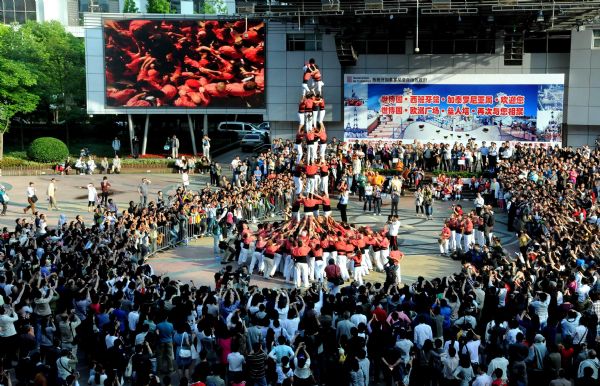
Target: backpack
[490, 220]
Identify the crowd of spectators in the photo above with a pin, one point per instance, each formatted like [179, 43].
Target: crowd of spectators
[82, 295]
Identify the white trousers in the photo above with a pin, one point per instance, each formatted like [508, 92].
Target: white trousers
[325, 184]
[243, 256]
[322, 149]
[321, 116]
[342, 262]
[301, 119]
[301, 275]
[276, 262]
[357, 274]
[453, 240]
[320, 268]
[311, 268]
[288, 270]
[479, 237]
[467, 240]
[298, 148]
[312, 152]
[298, 185]
[444, 246]
[310, 185]
[377, 261]
[257, 259]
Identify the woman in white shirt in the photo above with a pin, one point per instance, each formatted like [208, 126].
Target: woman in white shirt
[41, 228]
[8, 333]
[302, 372]
[92, 196]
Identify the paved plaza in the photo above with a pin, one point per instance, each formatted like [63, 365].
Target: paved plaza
[417, 239]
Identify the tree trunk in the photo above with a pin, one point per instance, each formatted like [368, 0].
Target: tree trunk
[1, 145]
[22, 137]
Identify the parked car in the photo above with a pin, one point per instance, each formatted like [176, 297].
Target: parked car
[240, 128]
[265, 126]
[252, 141]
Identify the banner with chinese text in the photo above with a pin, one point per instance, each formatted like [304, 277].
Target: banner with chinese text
[449, 108]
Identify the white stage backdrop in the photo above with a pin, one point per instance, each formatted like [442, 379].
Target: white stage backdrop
[449, 108]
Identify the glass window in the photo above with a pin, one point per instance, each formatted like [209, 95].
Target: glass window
[360, 46]
[443, 47]
[377, 47]
[596, 38]
[304, 42]
[466, 46]
[8, 5]
[397, 47]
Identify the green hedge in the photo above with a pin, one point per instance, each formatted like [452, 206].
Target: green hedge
[460, 174]
[151, 162]
[47, 149]
[13, 162]
[387, 172]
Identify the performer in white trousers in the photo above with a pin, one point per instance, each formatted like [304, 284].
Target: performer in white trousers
[458, 236]
[300, 255]
[319, 108]
[257, 256]
[355, 262]
[271, 262]
[342, 262]
[324, 172]
[444, 240]
[315, 74]
[312, 145]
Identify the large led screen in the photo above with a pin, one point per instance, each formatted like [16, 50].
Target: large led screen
[185, 63]
[451, 108]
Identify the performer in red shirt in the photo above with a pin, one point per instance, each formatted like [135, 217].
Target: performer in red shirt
[257, 256]
[300, 257]
[269, 259]
[311, 177]
[444, 240]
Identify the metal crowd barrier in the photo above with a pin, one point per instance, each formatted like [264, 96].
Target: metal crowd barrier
[172, 235]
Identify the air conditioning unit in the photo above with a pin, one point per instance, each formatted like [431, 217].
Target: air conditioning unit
[244, 7]
[374, 4]
[441, 4]
[330, 5]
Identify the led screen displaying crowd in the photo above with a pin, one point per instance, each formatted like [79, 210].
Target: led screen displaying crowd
[184, 63]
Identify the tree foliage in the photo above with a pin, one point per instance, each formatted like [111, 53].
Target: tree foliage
[59, 62]
[130, 7]
[18, 82]
[158, 6]
[213, 7]
[42, 70]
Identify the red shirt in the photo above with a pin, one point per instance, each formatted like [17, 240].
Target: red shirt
[308, 103]
[332, 271]
[340, 245]
[310, 202]
[446, 233]
[300, 251]
[312, 170]
[271, 249]
[396, 256]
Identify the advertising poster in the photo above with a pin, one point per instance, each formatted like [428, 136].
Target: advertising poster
[450, 108]
[184, 63]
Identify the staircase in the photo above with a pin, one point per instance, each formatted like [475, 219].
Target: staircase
[385, 130]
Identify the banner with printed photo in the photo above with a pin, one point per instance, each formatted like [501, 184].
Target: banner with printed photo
[449, 108]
